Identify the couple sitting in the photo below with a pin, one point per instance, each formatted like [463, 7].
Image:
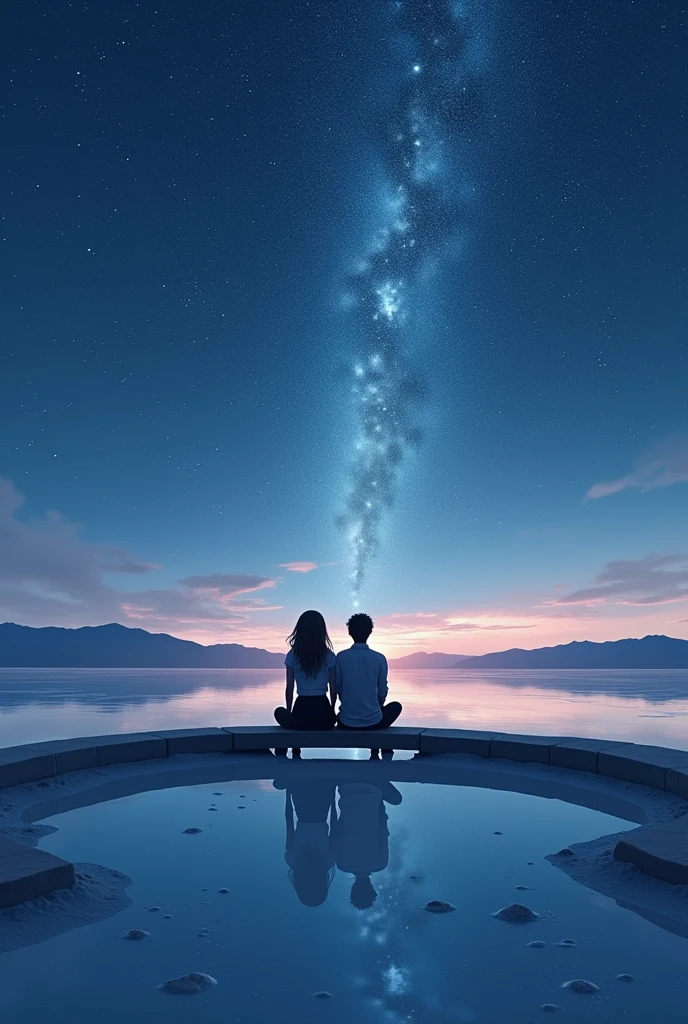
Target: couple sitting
[357, 677]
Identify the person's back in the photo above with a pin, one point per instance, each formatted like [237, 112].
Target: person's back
[361, 681]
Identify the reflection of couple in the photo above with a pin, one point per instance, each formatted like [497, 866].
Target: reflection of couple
[352, 837]
[357, 676]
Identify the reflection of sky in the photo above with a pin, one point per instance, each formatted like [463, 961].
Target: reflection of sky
[639, 706]
[391, 963]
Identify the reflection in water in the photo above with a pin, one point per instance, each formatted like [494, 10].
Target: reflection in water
[309, 844]
[650, 707]
[362, 835]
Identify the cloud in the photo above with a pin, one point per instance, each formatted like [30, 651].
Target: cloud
[661, 466]
[299, 566]
[655, 579]
[49, 575]
[227, 586]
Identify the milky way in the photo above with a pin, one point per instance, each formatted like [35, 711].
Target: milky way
[436, 105]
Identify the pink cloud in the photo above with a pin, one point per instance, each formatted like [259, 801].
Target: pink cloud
[227, 585]
[299, 566]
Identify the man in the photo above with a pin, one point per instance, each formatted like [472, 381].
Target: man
[361, 835]
[361, 682]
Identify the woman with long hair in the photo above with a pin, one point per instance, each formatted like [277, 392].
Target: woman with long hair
[310, 667]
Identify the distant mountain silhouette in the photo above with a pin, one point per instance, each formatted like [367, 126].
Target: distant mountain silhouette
[422, 660]
[650, 652]
[115, 646]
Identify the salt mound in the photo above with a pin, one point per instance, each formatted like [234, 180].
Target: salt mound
[136, 933]
[218, 794]
[191, 831]
[154, 910]
[223, 891]
[499, 833]
[549, 1007]
[581, 986]
[188, 984]
[537, 944]
[322, 995]
[517, 913]
[439, 907]
[625, 977]
[567, 943]
[522, 888]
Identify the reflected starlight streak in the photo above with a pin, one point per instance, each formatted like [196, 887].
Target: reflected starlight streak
[436, 103]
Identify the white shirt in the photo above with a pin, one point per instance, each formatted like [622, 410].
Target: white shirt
[361, 675]
[310, 686]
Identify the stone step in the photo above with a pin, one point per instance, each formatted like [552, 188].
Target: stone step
[26, 873]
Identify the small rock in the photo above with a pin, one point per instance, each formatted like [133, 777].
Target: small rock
[242, 796]
[167, 917]
[136, 934]
[567, 944]
[581, 986]
[565, 853]
[499, 833]
[537, 944]
[549, 1007]
[153, 910]
[212, 808]
[522, 888]
[625, 977]
[322, 995]
[204, 890]
[189, 832]
[529, 863]
[223, 891]
[439, 907]
[218, 794]
[413, 878]
[241, 807]
[188, 984]
[517, 913]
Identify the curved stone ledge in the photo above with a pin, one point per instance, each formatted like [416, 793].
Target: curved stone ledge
[661, 852]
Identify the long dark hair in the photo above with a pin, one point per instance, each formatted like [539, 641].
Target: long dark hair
[310, 643]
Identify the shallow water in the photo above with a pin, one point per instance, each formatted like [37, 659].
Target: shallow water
[287, 928]
[646, 707]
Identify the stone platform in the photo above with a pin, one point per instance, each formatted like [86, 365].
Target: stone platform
[661, 852]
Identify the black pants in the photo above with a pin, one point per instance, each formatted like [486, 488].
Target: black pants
[308, 713]
[390, 713]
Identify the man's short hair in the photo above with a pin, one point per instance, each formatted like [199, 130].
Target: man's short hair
[360, 627]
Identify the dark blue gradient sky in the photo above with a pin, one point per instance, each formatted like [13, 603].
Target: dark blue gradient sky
[187, 189]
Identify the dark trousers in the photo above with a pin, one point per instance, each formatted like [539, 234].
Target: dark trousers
[390, 713]
[308, 713]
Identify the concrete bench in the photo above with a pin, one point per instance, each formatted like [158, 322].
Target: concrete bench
[269, 737]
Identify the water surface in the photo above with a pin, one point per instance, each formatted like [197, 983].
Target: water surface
[647, 707]
[326, 883]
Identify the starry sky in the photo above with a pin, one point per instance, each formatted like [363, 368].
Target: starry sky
[205, 268]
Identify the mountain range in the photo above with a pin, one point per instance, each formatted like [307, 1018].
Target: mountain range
[116, 646]
[649, 652]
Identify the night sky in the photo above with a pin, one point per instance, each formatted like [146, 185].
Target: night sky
[202, 205]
